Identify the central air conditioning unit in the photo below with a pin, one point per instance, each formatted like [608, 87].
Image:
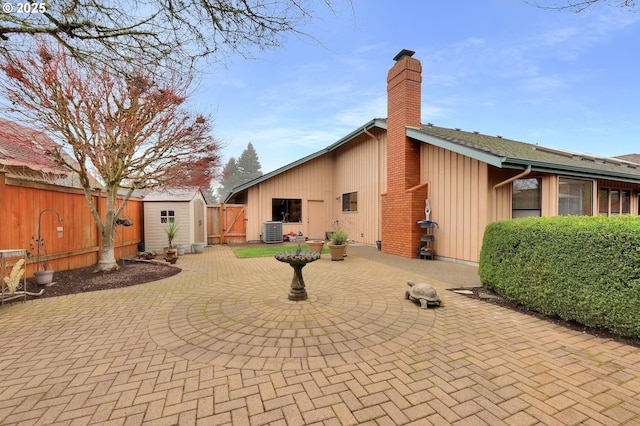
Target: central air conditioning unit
[272, 232]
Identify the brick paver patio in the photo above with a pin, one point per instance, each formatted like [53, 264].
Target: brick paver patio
[220, 343]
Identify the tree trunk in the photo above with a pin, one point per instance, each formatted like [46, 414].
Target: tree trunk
[107, 261]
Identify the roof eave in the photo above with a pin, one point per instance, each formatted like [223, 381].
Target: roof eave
[485, 157]
[536, 166]
[517, 163]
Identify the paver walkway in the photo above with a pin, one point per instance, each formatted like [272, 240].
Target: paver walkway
[220, 343]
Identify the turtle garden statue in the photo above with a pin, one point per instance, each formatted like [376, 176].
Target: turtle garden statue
[423, 293]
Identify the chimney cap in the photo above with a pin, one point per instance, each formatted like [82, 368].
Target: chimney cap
[403, 53]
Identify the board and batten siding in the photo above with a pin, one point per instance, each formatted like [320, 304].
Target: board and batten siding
[361, 167]
[311, 180]
[459, 194]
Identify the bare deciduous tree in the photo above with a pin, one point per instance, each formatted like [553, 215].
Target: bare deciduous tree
[582, 5]
[155, 31]
[132, 132]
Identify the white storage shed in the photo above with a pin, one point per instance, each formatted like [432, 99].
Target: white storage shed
[186, 206]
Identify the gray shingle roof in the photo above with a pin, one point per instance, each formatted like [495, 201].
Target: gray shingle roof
[508, 153]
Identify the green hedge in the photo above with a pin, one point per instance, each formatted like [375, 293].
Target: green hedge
[578, 268]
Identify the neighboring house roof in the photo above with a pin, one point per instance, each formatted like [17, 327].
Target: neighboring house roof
[20, 147]
[494, 150]
[173, 194]
[22, 155]
[634, 158]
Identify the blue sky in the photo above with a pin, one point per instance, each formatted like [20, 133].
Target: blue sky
[500, 67]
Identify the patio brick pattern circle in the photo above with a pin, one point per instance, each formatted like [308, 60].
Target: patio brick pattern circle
[261, 330]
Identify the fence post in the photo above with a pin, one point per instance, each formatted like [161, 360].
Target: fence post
[223, 222]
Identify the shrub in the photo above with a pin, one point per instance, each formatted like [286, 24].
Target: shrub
[339, 237]
[585, 269]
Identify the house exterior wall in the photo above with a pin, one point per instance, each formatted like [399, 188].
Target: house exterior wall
[460, 197]
[464, 199]
[360, 167]
[634, 188]
[312, 180]
[550, 193]
[154, 236]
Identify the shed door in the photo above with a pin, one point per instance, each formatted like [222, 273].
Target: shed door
[198, 222]
[315, 219]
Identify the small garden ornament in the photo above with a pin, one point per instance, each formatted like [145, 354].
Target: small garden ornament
[297, 260]
[43, 276]
[423, 293]
[13, 280]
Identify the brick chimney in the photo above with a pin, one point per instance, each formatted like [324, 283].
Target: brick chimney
[403, 203]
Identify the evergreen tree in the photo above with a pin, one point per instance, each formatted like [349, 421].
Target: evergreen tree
[235, 173]
[249, 165]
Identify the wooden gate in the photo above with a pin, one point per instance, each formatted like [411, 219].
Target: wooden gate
[226, 224]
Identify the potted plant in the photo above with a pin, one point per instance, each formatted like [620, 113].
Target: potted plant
[338, 244]
[171, 230]
[315, 246]
[147, 254]
[44, 276]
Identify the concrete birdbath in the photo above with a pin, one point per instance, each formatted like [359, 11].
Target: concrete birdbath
[297, 260]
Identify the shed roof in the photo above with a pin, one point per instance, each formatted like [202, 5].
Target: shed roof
[173, 194]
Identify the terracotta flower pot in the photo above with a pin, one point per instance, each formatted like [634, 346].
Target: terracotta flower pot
[315, 246]
[337, 251]
[171, 254]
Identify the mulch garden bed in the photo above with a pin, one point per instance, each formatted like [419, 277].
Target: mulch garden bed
[85, 279]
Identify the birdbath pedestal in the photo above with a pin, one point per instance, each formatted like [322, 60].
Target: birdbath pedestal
[297, 261]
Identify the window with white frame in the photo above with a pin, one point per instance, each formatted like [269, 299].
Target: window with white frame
[575, 197]
[167, 216]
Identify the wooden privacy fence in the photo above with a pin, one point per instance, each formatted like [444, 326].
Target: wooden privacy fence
[78, 244]
[226, 224]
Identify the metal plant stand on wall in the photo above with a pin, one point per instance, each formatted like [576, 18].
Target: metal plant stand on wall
[10, 258]
[427, 247]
